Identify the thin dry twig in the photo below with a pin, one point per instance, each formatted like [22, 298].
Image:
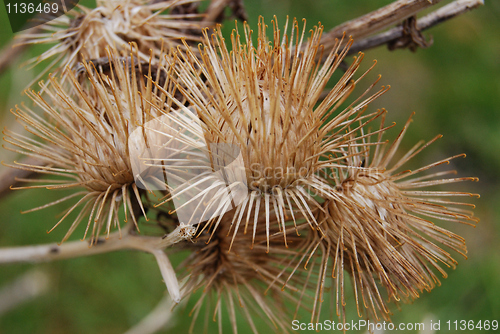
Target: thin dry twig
[377, 20]
[116, 241]
[441, 15]
[67, 250]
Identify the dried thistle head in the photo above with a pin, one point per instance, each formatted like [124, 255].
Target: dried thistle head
[244, 276]
[386, 228]
[261, 102]
[82, 142]
[84, 33]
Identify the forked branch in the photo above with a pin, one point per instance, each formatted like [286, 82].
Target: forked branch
[441, 15]
[116, 241]
[391, 14]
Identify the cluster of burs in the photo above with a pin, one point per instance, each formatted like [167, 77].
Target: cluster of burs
[279, 183]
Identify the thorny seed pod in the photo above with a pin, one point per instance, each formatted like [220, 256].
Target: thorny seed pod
[84, 33]
[261, 101]
[386, 227]
[240, 277]
[83, 141]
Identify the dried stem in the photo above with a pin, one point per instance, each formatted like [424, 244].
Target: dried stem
[116, 241]
[377, 20]
[441, 15]
[67, 250]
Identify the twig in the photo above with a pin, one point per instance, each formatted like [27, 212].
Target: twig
[115, 242]
[67, 250]
[377, 20]
[441, 15]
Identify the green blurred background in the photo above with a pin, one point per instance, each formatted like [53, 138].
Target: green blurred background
[454, 88]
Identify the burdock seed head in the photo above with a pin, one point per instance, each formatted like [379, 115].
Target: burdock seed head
[84, 33]
[240, 281]
[387, 227]
[82, 142]
[263, 103]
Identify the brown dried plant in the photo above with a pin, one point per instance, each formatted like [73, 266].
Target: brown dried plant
[82, 141]
[386, 229]
[319, 193]
[264, 100]
[235, 277]
[84, 33]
